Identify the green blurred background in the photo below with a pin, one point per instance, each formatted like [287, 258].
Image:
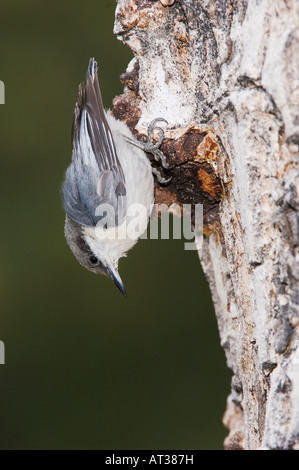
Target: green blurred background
[85, 367]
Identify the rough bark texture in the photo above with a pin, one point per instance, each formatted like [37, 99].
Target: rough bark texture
[224, 74]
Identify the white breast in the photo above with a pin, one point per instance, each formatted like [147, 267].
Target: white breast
[112, 244]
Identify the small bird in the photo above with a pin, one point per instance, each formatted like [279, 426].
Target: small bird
[108, 178]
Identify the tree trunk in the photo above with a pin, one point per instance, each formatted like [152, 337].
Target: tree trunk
[224, 74]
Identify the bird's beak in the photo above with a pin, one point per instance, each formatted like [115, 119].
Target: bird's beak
[113, 274]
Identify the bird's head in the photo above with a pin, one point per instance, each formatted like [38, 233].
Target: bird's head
[85, 252]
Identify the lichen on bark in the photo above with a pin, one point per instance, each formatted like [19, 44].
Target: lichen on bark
[224, 75]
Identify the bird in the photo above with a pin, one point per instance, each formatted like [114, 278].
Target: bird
[108, 189]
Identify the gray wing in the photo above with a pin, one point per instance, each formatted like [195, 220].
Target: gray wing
[95, 175]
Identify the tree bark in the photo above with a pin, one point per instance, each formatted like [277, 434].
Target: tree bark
[224, 74]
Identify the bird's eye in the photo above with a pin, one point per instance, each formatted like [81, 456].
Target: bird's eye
[93, 259]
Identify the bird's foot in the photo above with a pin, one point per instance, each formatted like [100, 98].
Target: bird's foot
[152, 148]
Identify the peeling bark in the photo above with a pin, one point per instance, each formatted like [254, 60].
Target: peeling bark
[224, 74]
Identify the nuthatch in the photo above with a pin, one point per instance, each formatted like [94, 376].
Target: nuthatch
[109, 173]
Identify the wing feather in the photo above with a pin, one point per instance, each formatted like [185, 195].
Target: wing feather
[95, 175]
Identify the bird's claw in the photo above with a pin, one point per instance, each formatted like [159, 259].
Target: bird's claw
[152, 148]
